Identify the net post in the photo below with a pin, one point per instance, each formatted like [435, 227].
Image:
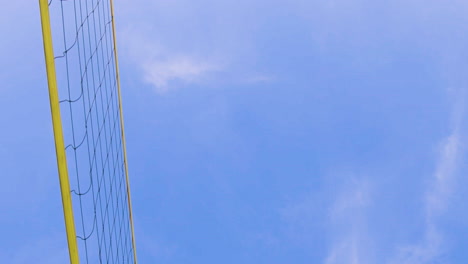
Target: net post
[58, 133]
[124, 146]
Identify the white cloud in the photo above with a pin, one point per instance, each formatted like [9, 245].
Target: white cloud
[350, 240]
[437, 197]
[165, 68]
[439, 193]
[355, 196]
[160, 73]
[175, 43]
[432, 246]
[426, 252]
[347, 251]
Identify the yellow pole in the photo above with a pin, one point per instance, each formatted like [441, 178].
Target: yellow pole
[124, 146]
[58, 133]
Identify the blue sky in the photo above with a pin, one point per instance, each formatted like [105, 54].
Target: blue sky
[261, 132]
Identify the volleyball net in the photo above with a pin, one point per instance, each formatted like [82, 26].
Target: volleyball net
[84, 89]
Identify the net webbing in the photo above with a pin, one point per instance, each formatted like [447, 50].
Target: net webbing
[87, 81]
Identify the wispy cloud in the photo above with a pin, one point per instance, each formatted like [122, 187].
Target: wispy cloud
[161, 72]
[437, 197]
[350, 241]
[175, 43]
[166, 68]
[346, 251]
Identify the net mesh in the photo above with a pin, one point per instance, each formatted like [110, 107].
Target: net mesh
[89, 102]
